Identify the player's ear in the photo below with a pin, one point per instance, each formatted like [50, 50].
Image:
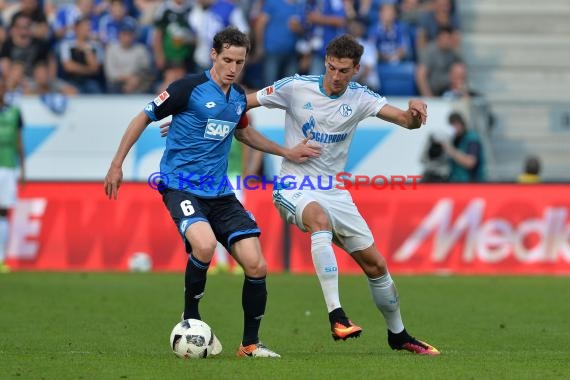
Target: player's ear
[213, 54]
[356, 68]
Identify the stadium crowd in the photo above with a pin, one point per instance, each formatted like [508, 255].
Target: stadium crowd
[139, 46]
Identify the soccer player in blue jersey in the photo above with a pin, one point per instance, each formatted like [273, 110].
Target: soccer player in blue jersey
[207, 110]
[327, 108]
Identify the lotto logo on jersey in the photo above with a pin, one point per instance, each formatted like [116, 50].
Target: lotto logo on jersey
[218, 129]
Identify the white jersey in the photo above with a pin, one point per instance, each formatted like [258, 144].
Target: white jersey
[331, 120]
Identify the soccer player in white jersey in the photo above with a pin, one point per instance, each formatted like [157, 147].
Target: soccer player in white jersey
[328, 108]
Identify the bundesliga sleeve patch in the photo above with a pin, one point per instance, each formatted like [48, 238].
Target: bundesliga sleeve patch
[161, 98]
[267, 91]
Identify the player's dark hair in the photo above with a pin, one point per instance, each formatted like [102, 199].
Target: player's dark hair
[345, 46]
[230, 36]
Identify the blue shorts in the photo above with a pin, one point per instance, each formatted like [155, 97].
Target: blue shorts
[229, 220]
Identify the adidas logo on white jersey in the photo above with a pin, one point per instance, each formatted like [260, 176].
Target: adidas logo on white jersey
[308, 106]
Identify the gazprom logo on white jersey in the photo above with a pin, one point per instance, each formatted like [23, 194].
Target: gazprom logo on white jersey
[218, 129]
[327, 138]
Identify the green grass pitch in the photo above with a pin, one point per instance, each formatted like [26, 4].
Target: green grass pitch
[117, 326]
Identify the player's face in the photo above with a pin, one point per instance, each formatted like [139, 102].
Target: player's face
[228, 64]
[338, 73]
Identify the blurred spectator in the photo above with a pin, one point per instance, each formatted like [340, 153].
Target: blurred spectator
[252, 9]
[368, 74]
[329, 20]
[127, 64]
[309, 41]
[43, 82]
[411, 11]
[277, 29]
[531, 171]
[67, 14]
[431, 21]
[173, 40]
[369, 10]
[132, 9]
[466, 156]
[82, 59]
[53, 92]
[33, 9]
[11, 155]
[112, 22]
[22, 47]
[432, 73]
[15, 83]
[2, 32]
[147, 10]
[390, 36]
[458, 86]
[207, 18]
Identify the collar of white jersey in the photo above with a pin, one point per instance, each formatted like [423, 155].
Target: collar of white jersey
[322, 89]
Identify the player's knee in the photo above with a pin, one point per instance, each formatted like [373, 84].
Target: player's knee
[376, 268]
[318, 221]
[204, 248]
[255, 269]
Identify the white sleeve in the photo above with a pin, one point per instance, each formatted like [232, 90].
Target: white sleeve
[278, 95]
[371, 103]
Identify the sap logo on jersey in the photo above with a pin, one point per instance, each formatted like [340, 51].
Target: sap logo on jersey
[218, 129]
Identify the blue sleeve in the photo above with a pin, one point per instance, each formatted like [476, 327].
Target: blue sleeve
[171, 101]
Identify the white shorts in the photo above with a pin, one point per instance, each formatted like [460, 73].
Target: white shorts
[8, 187]
[350, 231]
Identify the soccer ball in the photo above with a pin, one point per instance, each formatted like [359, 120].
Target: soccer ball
[192, 339]
[140, 262]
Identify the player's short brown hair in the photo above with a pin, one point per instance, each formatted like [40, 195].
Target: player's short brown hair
[345, 46]
[230, 36]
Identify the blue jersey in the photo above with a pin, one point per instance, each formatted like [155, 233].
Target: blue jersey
[204, 120]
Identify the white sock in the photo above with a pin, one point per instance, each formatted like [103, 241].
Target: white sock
[3, 238]
[387, 301]
[325, 265]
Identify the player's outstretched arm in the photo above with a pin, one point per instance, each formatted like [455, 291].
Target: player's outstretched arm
[114, 176]
[299, 153]
[412, 118]
[252, 101]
